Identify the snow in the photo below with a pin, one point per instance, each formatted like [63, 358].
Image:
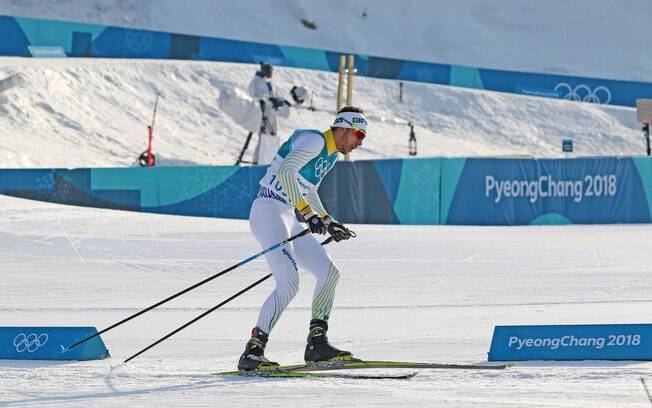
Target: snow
[94, 113]
[434, 299]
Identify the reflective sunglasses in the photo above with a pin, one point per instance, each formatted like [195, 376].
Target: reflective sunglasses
[360, 134]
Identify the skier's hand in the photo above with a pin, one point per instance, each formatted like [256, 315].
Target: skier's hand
[316, 224]
[338, 231]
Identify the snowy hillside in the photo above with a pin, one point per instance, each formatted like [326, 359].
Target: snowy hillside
[94, 113]
[89, 113]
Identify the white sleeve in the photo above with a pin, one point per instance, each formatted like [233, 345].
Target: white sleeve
[304, 149]
[313, 200]
[309, 142]
[313, 143]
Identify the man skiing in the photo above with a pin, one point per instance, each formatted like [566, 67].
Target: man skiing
[291, 182]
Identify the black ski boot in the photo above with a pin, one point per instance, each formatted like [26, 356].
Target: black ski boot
[253, 357]
[318, 348]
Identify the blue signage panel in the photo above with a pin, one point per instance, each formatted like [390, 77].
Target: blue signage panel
[524, 191]
[567, 145]
[453, 191]
[572, 342]
[49, 343]
[88, 40]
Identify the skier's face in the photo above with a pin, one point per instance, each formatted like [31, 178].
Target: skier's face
[352, 140]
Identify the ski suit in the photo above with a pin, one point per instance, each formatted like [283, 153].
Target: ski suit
[291, 182]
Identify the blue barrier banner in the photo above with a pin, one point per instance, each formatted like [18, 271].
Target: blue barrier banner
[572, 342]
[48, 343]
[90, 40]
[598, 190]
[426, 191]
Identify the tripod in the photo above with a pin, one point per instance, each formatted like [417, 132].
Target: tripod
[264, 126]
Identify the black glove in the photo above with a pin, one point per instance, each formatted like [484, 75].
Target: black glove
[339, 232]
[316, 224]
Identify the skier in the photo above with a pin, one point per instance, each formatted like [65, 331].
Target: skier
[272, 107]
[290, 183]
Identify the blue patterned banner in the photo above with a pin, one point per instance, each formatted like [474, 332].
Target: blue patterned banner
[552, 191]
[572, 342]
[50, 343]
[427, 191]
[88, 40]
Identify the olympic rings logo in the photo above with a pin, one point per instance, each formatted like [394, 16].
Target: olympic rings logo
[584, 93]
[138, 41]
[321, 168]
[30, 342]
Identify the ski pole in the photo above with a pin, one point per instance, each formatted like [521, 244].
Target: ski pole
[206, 313]
[649, 397]
[188, 289]
[258, 282]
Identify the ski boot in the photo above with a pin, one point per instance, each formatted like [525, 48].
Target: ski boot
[253, 357]
[318, 348]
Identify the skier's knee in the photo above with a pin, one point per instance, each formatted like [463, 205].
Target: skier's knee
[289, 287]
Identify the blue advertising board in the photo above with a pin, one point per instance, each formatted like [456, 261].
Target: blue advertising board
[572, 342]
[49, 343]
[425, 191]
[543, 191]
[91, 40]
[567, 146]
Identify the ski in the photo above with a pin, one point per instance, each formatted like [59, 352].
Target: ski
[313, 369]
[299, 374]
[356, 364]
